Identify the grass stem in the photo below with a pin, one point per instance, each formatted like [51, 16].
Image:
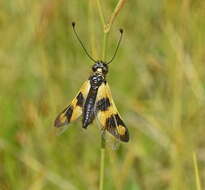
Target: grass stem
[104, 46]
[102, 162]
[198, 184]
[106, 30]
[100, 10]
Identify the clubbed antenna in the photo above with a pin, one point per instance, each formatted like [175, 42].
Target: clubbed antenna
[73, 25]
[118, 44]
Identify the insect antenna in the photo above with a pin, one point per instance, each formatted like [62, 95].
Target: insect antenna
[73, 25]
[118, 44]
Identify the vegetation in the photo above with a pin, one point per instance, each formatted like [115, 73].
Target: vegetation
[157, 81]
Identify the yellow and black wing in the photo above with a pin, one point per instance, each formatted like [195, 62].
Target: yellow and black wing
[74, 110]
[108, 115]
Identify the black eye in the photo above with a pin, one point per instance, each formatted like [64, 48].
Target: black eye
[105, 69]
[94, 68]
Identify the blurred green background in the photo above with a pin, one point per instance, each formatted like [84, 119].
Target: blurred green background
[157, 81]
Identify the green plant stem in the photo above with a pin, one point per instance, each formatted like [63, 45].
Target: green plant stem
[106, 28]
[104, 46]
[100, 10]
[102, 162]
[198, 184]
[102, 150]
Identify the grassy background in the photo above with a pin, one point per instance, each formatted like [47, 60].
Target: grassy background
[157, 81]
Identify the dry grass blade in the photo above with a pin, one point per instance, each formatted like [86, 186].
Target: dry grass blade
[119, 6]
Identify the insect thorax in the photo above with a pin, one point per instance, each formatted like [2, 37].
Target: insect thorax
[96, 80]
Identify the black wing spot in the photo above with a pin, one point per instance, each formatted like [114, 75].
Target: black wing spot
[80, 100]
[111, 125]
[112, 122]
[124, 137]
[69, 113]
[103, 104]
[119, 120]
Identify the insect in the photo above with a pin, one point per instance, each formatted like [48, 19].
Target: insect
[94, 100]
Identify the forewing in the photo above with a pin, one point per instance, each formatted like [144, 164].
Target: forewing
[74, 110]
[108, 115]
